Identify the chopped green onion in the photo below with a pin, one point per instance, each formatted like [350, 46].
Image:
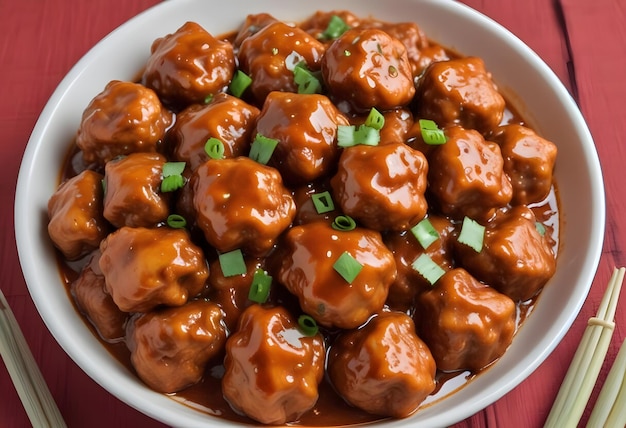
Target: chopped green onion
[335, 28]
[307, 325]
[214, 148]
[348, 267]
[274, 51]
[350, 135]
[260, 287]
[393, 71]
[346, 52]
[343, 223]
[239, 84]
[425, 233]
[208, 98]
[426, 267]
[232, 263]
[176, 221]
[431, 132]
[262, 148]
[375, 119]
[472, 234]
[307, 82]
[540, 228]
[172, 183]
[173, 168]
[323, 202]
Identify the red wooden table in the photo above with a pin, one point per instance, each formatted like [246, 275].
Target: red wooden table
[583, 41]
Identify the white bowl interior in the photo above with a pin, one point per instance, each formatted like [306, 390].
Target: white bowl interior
[519, 72]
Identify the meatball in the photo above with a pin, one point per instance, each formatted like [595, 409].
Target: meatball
[368, 68]
[516, 259]
[144, 268]
[466, 324]
[124, 118]
[226, 118]
[133, 191]
[382, 186]
[307, 270]
[270, 55]
[251, 25]
[466, 175]
[307, 211]
[88, 291]
[317, 23]
[413, 39]
[406, 249]
[305, 126]
[76, 225]
[171, 347]
[398, 123]
[460, 92]
[383, 367]
[241, 204]
[528, 161]
[272, 370]
[188, 66]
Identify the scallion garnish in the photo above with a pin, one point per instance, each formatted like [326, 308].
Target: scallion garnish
[262, 148]
[335, 28]
[472, 234]
[426, 267]
[425, 233]
[431, 132]
[348, 267]
[343, 223]
[307, 325]
[172, 176]
[375, 119]
[208, 98]
[176, 221]
[232, 263]
[540, 228]
[307, 82]
[260, 287]
[214, 148]
[323, 202]
[239, 84]
[350, 135]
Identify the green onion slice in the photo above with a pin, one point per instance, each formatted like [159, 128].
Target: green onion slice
[239, 84]
[472, 234]
[426, 267]
[307, 325]
[173, 168]
[348, 267]
[431, 132]
[540, 228]
[425, 233]
[375, 119]
[208, 98]
[232, 263]
[172, 183]
[214, 148]
[260, 287]
[335, 28]
[262, 148]
[307, 82]
[343, 223]
[176, 221]
[350, 135]
[323, 202]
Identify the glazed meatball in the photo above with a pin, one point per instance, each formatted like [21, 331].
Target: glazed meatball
[226, 118]
[241, 204]
[124, 118]
[460, 92]
[133, 194]
[413, 39]
[188, 66]
[466, 324]
[398, 123]
[88, 291]
[516, 258]
[171, 347]
[270, 55]
[383, 367]
[528, 161]
[305, 126]
[145, 268]
[76, 225]
[466, 175]
[368, 68]
[306, 211]
[406, 249]
[272, 370]
[251, 25]
[382, 187]
[307, 270]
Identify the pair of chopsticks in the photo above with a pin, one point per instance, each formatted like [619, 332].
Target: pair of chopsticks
[610, 408]
[25, 374]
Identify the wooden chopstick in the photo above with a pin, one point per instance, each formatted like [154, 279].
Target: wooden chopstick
[583, 372]
[610, 408]
[25, 374]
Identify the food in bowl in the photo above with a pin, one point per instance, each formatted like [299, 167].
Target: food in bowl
[294, 214]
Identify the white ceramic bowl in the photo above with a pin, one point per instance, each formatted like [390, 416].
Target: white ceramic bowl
[530, 83]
